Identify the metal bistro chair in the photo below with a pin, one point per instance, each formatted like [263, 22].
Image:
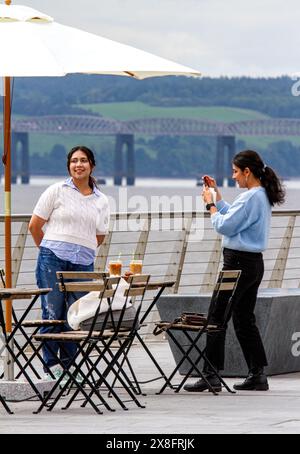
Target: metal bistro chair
[139, 281]
[223, 292]
[91, 279]
[115, 361]
[28, 329]
[33, 326]
[103, 342]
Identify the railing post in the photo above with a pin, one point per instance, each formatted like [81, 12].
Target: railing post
[282, 256]
[18, 252]
[101, 259]
[141, 246]
[212, 269]
[181, 254]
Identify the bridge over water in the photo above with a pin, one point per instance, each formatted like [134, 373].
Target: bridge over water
[125, 131]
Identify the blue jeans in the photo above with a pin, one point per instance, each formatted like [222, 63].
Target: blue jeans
[55, 305]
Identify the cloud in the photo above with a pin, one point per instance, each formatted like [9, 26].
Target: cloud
[216, 37]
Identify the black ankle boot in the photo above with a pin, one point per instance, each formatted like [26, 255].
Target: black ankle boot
[201, 385]
[256, 381]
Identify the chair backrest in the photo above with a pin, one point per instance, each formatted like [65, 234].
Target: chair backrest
[67, 277]
[117, 312]
[224, 290]
[116, 320]
[138, 285]
[106, 297]
[81, 275]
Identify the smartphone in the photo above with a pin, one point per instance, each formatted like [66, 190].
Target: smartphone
[206, 181]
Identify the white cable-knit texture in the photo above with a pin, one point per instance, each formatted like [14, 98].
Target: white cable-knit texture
[73, 217]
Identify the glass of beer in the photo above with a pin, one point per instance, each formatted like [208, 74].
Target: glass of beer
[136, 266]
[115, 267]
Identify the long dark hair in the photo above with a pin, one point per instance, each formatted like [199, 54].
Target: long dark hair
[91, 158]
[267, 176]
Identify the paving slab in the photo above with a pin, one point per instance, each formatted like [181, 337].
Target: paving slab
[276, 411]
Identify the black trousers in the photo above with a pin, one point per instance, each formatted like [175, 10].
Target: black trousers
[242, 312]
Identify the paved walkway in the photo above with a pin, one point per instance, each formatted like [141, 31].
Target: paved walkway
[276, 411]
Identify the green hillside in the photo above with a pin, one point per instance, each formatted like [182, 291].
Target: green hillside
[133, 110]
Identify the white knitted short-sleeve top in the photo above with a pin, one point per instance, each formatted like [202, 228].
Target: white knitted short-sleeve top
[73, 217]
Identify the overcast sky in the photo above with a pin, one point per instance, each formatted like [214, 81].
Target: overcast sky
[216, 37]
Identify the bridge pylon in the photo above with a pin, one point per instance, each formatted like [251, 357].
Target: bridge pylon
[128, 170]
[20, 160]
[224, 155]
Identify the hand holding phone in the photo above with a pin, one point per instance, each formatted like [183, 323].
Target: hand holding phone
[206, 180]
[210, 183]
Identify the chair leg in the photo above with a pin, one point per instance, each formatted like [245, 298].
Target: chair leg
[20, 352]
[125, 359]
[27, 363]
[80, 387]
[61, 392]
[23, 371]
[111, 368]
[147, 350]
[2, 401]
[96, 385]
[78, 369]
[35, 353]
[202, 354]
[185, 356]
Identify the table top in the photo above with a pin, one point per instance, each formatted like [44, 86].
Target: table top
[22, 293]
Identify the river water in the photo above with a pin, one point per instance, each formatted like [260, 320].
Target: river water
[147, 195]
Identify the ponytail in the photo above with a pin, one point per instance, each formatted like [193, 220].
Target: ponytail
[92, 182]
[268, 178]
[273, 186]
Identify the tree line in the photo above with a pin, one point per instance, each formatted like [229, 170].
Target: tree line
[276, 97]
[163, 156]
[170, 157]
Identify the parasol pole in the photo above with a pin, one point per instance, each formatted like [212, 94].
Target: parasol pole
[7, 195]
[9, 372]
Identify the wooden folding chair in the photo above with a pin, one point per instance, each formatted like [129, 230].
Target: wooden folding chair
[138, 285]
[115, 355]
[224, 290]
[85, 362]
[53, 325]
[33, 326]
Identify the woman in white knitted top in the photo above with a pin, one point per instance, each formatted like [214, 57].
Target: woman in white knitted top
[68, 223]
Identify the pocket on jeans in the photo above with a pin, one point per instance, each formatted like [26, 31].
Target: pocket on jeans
[45, 252]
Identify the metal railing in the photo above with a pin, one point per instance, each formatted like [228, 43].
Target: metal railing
[174, 245]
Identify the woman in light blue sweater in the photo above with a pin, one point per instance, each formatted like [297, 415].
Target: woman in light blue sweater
[245, 227]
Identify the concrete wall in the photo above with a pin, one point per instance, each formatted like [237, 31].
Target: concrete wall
[278, 319]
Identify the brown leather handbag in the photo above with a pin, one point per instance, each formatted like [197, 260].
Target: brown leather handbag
[193, 318]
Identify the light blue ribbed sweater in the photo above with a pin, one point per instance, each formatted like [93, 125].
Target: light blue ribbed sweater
[245, 224]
